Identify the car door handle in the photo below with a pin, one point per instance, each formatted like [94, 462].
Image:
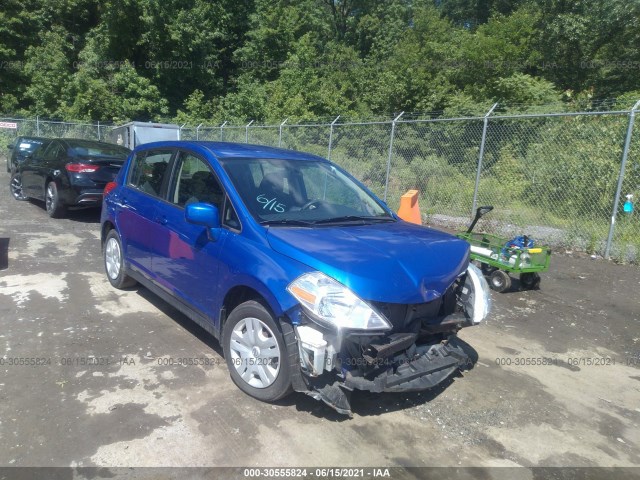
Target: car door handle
[123, 203]
[162, 220]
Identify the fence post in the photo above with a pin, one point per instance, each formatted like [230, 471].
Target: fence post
[480, 157]
[393, 131]
[37, 125]
[331, 137]
[198, 132]
[180, 131]
[221, 127]
[280, 134]
[623, 164]
[99, 139]
[246, 132]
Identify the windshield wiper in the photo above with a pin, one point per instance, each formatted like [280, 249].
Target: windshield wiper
[355, 218]
[288, 222]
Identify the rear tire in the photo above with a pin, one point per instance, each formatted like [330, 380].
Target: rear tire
[52, 201]
[255, 352]
[500, 281]
[114, 265]
[529, 281]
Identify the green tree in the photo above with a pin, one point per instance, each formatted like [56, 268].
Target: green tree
[104, 89]
[521, 91]
[198, 109]
[48, 67]
[316, 82]
[17, 26]
[190, 45]
[472, 13]
[416, 75]
[275, 27]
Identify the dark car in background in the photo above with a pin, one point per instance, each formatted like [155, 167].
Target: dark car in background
[23, 148]
[66, 172]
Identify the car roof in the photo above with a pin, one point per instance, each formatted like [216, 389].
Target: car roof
[32, 138]
[225, 150]
[84, 142]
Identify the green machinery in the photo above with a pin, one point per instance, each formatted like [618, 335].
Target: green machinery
[498, 257]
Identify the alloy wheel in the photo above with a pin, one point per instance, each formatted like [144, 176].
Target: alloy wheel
[49, 198]
[16, 187]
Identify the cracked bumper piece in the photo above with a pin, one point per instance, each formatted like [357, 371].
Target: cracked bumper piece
[425, 369]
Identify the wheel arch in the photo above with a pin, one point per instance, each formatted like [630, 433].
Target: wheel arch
[240, 293]
[107, 226]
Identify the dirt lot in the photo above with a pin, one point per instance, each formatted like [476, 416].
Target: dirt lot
[580, 407]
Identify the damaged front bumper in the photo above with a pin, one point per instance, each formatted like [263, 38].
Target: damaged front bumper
[420, 352]
[423, 368]
[415, 368]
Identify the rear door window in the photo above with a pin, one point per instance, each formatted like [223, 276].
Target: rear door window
[148, 171]
[53, 152]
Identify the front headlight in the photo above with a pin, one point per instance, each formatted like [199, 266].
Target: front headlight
[334, 304]
[475, 298]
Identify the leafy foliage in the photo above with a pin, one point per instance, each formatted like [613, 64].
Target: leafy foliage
[198, 60]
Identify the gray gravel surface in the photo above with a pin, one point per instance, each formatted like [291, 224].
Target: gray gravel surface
[556, 383]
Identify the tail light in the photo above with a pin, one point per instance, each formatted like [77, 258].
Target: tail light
[109, 186]
[81, 167]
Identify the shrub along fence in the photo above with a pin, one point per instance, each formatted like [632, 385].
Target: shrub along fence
[567, 179]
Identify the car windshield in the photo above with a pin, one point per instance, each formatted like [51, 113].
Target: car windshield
[94, 149]
[281, 192]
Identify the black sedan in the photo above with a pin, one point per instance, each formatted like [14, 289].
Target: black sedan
[67, 173]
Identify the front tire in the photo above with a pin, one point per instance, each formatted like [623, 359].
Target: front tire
[255, 352]
[15, 185]
[114, 262]
[52, 201]
[500, 281]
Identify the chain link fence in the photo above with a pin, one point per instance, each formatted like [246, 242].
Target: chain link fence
[13, 127]
[569, 180]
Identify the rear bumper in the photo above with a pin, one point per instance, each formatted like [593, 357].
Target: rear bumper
[89, 199]
[78, 197]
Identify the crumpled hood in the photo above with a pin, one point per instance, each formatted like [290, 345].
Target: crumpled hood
[386, 262]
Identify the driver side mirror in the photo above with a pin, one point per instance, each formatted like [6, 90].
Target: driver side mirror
[204, 214]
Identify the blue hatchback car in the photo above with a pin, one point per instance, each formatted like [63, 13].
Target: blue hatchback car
[308, 280]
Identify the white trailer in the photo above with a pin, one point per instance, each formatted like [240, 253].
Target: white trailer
[133, 134]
